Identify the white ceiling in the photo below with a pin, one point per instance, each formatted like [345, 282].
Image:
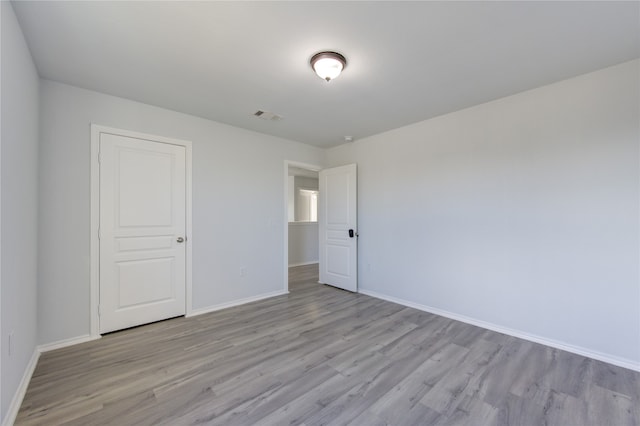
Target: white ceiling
[407, 61]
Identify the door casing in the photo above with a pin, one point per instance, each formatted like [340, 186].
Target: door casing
[96, 130]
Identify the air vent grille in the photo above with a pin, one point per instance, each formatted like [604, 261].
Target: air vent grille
[267, 115]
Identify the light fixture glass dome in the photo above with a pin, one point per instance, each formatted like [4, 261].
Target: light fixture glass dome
[328, 65]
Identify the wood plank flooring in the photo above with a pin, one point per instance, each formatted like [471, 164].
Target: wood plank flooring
[323, 356]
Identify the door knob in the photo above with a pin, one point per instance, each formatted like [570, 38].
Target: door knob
[350, 233]
[180, 239]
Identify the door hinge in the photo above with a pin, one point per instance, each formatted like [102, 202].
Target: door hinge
[99, 233]
[100, 157]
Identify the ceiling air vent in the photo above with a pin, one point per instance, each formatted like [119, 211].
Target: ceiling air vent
[267, 115]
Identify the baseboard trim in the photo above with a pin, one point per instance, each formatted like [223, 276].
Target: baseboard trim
[314, 262]
[233, 303]
[610, 359]
[67, 342]
[16, 402]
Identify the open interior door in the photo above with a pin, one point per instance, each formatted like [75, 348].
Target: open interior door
[337, 217]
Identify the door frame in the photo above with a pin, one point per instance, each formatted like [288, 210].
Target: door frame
[96, 130]
[287, 163]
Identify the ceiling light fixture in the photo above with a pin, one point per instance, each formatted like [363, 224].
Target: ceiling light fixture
[328, 65]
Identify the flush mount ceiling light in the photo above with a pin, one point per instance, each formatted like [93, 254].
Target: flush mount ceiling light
[328, 65]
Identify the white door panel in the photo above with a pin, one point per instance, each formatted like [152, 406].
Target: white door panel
[145, 281]
[142, 215]
[143, 178]
[337, 215]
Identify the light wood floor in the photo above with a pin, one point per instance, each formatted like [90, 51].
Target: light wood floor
[324, 356]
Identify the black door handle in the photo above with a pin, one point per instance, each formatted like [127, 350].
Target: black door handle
[350, 233]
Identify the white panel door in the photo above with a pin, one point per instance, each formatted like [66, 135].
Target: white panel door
[142, 231]
[337, 218]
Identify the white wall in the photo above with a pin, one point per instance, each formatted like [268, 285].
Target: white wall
[18, 281]
[522, 212]
[237, 203]
[303, 243]
[291, 215]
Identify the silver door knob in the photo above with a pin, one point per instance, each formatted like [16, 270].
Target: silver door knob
[180, 240]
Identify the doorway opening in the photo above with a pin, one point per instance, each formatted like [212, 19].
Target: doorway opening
[332, 246]
[301, 255]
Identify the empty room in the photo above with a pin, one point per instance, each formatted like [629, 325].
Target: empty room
[320, 213]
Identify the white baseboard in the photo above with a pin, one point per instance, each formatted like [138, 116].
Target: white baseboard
[16, 402]
[313, 262]
[233, 303]
[610, 359]
[67, 342]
